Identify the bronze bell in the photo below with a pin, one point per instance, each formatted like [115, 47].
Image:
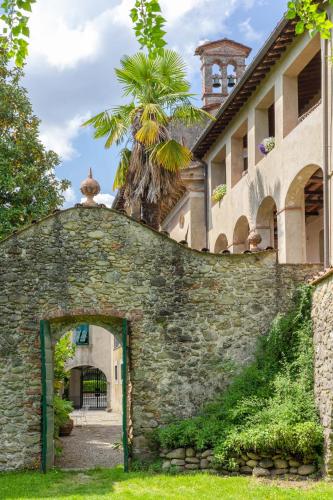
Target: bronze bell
[216, 81]
[231, 81]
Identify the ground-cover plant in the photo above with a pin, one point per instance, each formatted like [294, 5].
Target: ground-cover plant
[105, 484]
[269, 406]
[62, 410]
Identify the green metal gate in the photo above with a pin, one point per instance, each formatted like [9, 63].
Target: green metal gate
[47, 396]
[124, 376]
[47, 417]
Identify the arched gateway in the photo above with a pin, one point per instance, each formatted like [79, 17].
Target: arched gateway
[184, 314]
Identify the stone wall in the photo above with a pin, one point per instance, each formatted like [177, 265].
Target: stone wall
[191, 315]
[322, 315]
[250, 463]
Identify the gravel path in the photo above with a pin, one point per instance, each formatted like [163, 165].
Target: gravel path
[90, 446]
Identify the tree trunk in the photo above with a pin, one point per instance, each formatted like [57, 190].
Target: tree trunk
[121, 200]
[151, 214]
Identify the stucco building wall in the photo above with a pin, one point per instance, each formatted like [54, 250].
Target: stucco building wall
[98, 354]
[190, 315]
[281, 175]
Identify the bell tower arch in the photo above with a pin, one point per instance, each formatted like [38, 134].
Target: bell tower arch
[222, 66]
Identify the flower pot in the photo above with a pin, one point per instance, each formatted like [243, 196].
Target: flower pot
[67, 428]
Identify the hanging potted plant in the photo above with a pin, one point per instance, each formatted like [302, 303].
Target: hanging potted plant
[267, 145]
[219, 192]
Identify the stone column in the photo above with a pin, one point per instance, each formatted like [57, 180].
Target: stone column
[291, 234]
[207, 74]
[266, 236]
[224, 79]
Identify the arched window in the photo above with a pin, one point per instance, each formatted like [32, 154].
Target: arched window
[266, 223]
[221, 244]
[303, 217]
[241, 234]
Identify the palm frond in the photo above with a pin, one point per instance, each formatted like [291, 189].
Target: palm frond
[190, 115]
[113, 124]
[122, 170]
[154, 111]
[148, 134]
[171, 155]
[172, 68]
[136, 73]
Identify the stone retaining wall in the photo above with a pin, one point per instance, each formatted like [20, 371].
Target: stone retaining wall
[322, 316]
[192, 316]
[250, 463]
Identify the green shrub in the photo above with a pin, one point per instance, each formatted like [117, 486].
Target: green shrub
[90, 386]
[270, 405]
[62, 410]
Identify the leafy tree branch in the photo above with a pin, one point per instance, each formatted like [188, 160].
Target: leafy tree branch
[15, 30]
[312, 17]
[148, 26]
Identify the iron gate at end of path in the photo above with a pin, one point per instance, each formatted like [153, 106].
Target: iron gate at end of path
[93, 392]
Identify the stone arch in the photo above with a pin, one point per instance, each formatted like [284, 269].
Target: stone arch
[295, 193]
[221, 243]
[266, 223]
[301, 219]
[241, 234]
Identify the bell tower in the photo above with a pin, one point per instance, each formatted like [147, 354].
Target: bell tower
[222, 66]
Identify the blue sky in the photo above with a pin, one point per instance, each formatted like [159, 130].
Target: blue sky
[75, 46]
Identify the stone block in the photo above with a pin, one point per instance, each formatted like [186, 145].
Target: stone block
[266, 463]
[192, 460]
[253, 456]
[294, 463]
[306, 470]
[190, 452]
[279, 472]
[252, 463]
[260, 472]
[204, 464]
[206, 453]
[177, 461]
[279, 463]
[245, 469]
[192, 466]
[166, 465]
[177, 453]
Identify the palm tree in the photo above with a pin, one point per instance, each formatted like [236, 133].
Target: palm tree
[151, 160]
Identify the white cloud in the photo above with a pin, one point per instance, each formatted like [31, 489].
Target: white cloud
[76, 44]
[60, 137]
[248, 31]
[70, 197]
[105, 198]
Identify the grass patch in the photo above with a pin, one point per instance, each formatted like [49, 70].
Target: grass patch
[102, 484]
[269, 406]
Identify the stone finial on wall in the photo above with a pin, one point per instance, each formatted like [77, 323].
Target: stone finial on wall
[90, 188]
[222, 53]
